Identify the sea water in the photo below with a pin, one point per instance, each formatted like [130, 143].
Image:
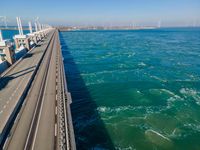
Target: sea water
[134, 90]
[9, 34]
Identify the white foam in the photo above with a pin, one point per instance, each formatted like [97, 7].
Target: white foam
[142, 64]
[118, 109]
[193, 126]
[188, 91]
[131, 55]
[169, 92]
[125, 148]
[192, 93]
[157, 78]
[157, 133]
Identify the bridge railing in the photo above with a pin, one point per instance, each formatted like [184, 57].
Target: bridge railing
[66, 100]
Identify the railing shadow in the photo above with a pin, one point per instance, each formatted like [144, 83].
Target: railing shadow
[5, 80]
[90, 131]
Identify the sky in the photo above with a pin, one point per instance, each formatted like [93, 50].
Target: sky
[103, 12]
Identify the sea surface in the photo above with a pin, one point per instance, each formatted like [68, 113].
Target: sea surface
[134, 90]
[9, 34]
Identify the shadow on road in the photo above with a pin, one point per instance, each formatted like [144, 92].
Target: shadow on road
[90, 131]
[5, 80]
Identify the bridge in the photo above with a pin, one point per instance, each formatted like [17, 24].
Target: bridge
[34, 100]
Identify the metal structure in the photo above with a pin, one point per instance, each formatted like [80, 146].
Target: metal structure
[19, 24]
[30, 27]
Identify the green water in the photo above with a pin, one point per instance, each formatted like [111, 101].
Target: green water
[134, 90]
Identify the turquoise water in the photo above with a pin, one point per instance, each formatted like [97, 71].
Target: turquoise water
[9, 34]
[134, 90]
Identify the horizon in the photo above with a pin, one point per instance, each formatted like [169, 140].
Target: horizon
[179, 13]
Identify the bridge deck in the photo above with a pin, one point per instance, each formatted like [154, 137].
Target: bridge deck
[43, 122]
[13, 84]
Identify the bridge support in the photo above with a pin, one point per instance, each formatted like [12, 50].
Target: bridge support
[8, 50]
[22, 40]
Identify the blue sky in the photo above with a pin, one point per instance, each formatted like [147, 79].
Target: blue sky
[104, 12]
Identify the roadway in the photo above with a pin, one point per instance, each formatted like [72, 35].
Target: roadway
[44, 120]
[23, 134]
[13, 84]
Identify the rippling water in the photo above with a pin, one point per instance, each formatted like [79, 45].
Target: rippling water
[135, 90]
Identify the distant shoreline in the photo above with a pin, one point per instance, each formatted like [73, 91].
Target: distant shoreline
[102, 28]
[12, 28]
[116, 28]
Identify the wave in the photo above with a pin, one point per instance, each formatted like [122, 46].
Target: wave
[119, 109]
[142, 64]
[188, 92]
[182, 131]
[158, 138]
[194, 127]
[106, 72]
[157, 78]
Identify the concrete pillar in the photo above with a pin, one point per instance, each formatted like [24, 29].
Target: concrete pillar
[22, 40]
[27, 43]
[8, 51]
[35, 39]
[10, 54]
[39, 37]
[17, 44]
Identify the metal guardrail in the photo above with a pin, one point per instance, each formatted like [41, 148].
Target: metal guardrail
[66, 131]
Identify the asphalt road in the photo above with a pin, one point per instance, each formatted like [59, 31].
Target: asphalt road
[36, 127]
[13, 84]
[43, 122]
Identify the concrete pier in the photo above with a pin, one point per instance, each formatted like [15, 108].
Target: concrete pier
[21, 40]
[7, 48]
[22, 43]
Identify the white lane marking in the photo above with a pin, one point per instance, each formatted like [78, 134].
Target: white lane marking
[56, 110]
[1, 111]
[10, 98]
[38, 121]
[16, 88]
[55, 129]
